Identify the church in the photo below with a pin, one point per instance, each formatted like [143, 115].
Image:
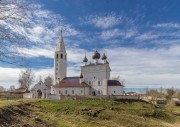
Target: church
[94, 78]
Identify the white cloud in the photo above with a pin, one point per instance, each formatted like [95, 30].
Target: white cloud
[167, 25]
[37, 52]
[147, 36]
[108, 34]
[9, 76]
[131, 33]
[104, 21]
[139, 67]
[143, 67]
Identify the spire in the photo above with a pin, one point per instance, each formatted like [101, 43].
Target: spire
[60, 45]
[85, 59]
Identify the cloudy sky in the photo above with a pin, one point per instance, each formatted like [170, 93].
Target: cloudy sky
[141, 39]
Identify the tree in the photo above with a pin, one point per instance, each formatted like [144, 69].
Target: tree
[14, 17]
[122, 81]
[26, 78]
[155, 94]
[170, 93]
[2, 88]
[48, 81]
[178, 94]
[170, 106]
[12, 88]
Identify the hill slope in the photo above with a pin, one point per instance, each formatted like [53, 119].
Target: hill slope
[84, 113]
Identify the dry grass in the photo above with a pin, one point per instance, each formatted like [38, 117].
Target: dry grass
[85, 113]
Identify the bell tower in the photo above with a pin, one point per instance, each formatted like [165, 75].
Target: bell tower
[60, 60]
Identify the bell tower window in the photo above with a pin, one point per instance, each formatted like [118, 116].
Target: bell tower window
[61, 56]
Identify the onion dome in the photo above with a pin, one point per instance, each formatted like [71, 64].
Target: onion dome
[85, 59]
[96, 55]
[104, 57]
[81, 76]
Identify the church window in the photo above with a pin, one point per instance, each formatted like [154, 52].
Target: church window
[99, 83]
[59, 91]
[66, 92]
[72, 91]
[94, 77]
[114, 91]
[81, 91]
[89, 82]
[57, 56]
[61, 56]
[65, 57]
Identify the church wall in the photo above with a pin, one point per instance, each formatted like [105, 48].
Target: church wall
[115, 90]
[60, 65]
[27, 95]
[96, 76]
[43, 88]
[69, 91]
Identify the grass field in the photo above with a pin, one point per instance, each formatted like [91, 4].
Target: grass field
[84, 113]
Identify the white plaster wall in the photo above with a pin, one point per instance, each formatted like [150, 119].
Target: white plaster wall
[27, 95]
[60, 65]
[118, 90]
[94, 74]
[77, 91]
[40, 86]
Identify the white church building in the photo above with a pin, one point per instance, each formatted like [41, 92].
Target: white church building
[94, 78]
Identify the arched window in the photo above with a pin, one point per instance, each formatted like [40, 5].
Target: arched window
[61, 56]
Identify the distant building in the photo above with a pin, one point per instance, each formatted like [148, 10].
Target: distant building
[21, 90]
[40, 90]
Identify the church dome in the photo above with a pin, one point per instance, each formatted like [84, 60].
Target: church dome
[96, 55]
[104, 57]
[85, 59]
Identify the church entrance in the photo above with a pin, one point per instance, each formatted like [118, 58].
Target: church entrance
[39, 93]
[94, 93]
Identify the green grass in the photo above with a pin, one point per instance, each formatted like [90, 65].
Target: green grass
[92, 113]
[111, 113]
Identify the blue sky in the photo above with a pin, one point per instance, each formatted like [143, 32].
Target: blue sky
[141, 39]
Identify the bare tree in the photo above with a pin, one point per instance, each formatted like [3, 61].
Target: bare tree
[155, 94]
[48, 81]
[26, 78]
[2, 88]
[14, 17]
[12, 88]
[178, 94]
[170, 93]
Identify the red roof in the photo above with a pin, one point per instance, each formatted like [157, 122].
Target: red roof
[74, 82]
[71, 82]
